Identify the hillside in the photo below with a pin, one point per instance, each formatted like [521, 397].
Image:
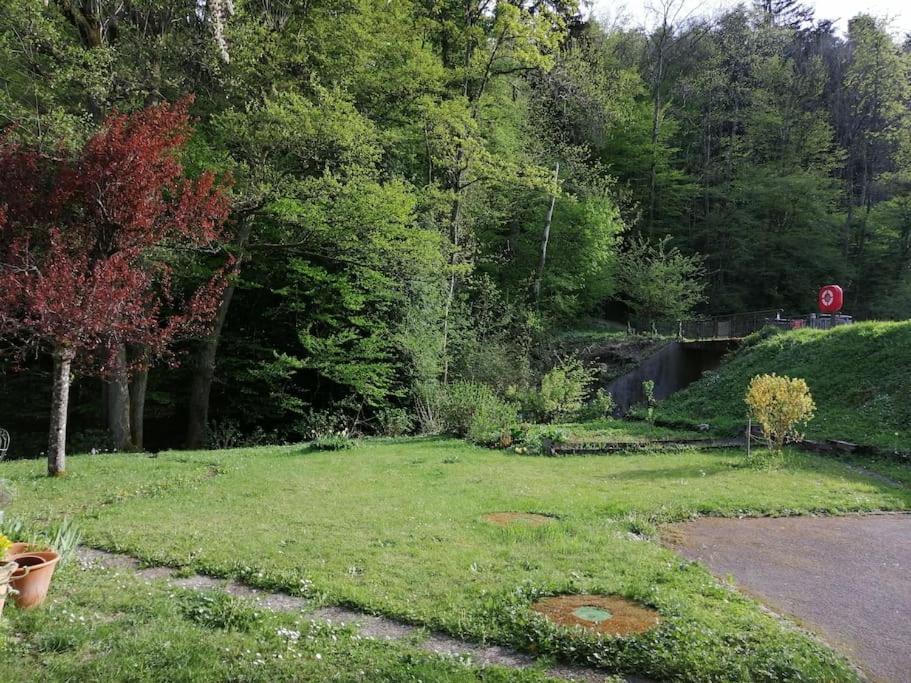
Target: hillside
[859, 375]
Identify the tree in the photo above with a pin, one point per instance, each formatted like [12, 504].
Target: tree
[658, 281]
[86, 246]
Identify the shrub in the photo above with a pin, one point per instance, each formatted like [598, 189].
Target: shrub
[429, 399]
[473, 411]
[781, 406]
[554, 434]
[600, 407]
[316, 423]
[648, 389]
[224, 434]
[563, 389]
[394, 422]
[493, 422]
[336, 441]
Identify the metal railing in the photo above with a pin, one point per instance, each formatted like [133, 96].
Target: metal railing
[731, 326]
[734, 326]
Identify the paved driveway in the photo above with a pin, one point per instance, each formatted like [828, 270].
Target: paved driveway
[847, 578]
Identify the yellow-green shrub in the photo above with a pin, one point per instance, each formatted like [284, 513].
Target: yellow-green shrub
[781, 406]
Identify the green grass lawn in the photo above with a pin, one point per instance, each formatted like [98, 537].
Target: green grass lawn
[394, 527]
[112, 626]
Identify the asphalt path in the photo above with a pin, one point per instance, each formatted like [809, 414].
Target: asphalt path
[847, 578]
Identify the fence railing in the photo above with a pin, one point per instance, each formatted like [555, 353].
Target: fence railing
[715, 327]
[733, 326]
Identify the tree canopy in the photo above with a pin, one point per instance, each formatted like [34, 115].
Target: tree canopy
[423, 192]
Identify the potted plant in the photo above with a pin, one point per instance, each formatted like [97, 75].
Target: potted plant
[6, 570]
[31, 578]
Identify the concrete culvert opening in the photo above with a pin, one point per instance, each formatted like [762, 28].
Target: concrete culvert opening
[529, 519]
[607, 614]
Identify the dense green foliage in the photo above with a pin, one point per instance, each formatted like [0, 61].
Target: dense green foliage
[395, 527]
[428, 192]
[857, 375]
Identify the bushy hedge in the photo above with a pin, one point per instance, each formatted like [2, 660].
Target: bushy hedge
[475, 412]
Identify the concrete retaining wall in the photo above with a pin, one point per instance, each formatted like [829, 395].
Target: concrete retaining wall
[674, 366]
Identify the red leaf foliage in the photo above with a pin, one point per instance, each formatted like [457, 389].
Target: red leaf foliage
[84, 241]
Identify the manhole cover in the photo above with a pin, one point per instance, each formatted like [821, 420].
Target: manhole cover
[530, 519]
[607, 614]
[594, 614]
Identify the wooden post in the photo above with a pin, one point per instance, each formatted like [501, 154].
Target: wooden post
[749, 434]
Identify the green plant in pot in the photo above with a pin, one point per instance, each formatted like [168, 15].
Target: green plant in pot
[7, 568]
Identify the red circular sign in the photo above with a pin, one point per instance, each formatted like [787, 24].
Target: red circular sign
[831, 299]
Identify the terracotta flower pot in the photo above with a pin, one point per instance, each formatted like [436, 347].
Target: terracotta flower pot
[18, 549]
[33, 577]
[6, 572]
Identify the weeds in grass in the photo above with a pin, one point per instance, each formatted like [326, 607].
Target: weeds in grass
[216, 609]
[336, 441]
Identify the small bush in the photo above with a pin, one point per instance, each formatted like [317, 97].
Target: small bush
[493, 422]
[224, 434]
[781, 406]
[394, 422]
[337, 441]
[553, 434]
[563, 390]
[429, 398]
[648, 389]
[600, 407]
[473, 411]
[316, 423]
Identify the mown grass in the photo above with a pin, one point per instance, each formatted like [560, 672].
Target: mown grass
[111, 626]
[858, 375]
[394, 527]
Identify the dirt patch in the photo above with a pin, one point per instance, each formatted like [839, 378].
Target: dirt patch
[529, 519]
[606, 614]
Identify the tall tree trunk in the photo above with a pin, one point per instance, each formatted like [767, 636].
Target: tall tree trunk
[60, 397]
[545, 237]
[455, 218]
[203, 365]
[138, 398]
[119, 402]
[206, 353]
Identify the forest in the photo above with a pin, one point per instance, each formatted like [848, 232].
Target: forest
[383, 200]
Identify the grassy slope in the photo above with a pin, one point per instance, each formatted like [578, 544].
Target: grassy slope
[859, 375]
[394, 526]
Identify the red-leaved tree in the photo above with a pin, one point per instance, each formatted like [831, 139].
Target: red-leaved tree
[85, 245]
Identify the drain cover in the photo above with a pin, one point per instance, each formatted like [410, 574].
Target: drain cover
[594, 614]
[608, 614]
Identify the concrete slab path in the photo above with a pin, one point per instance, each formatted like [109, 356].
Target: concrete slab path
[847, 578]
